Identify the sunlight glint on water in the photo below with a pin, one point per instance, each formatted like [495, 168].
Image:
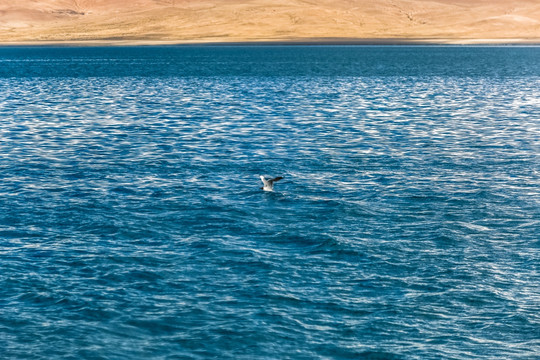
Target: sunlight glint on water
[406, 226]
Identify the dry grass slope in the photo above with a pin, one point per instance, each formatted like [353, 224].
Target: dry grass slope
[177, 21]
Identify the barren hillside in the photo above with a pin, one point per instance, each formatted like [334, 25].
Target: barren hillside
[269, 20]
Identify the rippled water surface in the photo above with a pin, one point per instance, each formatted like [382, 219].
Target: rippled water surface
[407, 225]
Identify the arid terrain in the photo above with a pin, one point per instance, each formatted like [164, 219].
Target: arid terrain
[188, 21]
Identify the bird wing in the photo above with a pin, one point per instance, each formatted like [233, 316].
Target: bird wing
[264, 180]
[276, 179]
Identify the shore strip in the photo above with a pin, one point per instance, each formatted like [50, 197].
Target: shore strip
[276, 42]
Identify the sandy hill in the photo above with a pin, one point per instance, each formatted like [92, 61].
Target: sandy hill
[269, 20]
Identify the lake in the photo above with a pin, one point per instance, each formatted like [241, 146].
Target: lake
[406, 225]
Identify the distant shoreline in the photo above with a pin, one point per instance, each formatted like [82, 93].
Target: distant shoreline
[285, 42]
[265, 22]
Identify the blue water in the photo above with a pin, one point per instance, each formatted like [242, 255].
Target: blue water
[407, 225]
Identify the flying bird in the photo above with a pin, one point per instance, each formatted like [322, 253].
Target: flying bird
[269, 183]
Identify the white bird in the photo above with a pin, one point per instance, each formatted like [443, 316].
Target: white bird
[269, 183]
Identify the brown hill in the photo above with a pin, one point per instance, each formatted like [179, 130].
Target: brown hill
[180, 21]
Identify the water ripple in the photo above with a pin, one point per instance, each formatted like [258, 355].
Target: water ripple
[406, 225]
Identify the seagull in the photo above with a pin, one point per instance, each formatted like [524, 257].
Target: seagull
[269, 184]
